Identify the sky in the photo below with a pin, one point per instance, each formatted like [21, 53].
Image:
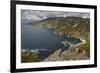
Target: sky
[36, 15]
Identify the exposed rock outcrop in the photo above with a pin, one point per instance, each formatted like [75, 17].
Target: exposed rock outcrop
[71, 54]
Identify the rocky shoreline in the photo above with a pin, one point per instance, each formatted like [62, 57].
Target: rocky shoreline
[71, 54]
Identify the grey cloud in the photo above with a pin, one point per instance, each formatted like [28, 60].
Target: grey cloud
[34, 15]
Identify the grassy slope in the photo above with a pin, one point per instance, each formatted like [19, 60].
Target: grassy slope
[86, 47]
[29, 58]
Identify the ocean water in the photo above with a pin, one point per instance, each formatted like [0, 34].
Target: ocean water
[42, 39]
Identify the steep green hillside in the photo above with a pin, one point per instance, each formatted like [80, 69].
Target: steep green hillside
[74, 26]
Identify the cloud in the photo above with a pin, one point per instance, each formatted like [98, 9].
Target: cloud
[34, 15]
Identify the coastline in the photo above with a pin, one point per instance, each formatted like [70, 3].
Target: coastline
[81, 43]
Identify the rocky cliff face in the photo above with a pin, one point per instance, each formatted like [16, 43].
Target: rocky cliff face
[74, 26]
[71, 54]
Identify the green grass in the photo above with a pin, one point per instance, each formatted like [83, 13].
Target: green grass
[29, 58]
[86, 47]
